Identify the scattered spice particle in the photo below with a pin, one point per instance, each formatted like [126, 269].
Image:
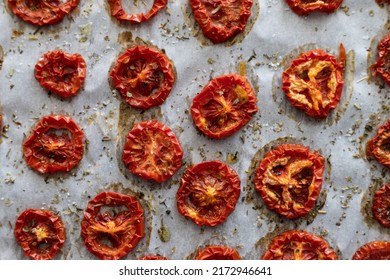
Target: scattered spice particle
[164, 233]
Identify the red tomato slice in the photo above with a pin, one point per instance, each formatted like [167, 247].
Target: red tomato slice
[55, 145]
[381, 206]
[314, 82]
[218, 253]
[118, 12]
[40, 233]
[221, 20]
[208, 193]
[382, 65]
[41, 12]
[224, 106]
[299, 245]
[379, 146]
[112, 226]
[61, 73]
[153, 258]
[303, 7]
[152, 151]
[376, 250]
[289, 179]
[143, 76]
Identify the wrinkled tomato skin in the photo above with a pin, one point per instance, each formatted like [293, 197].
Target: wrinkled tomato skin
[143, 76]
[61, 73]
[119, 13]
[124, 229]
[153, 258]
[218, 253]
[382, 66]
[299, 245]
[302, 7]
[47, 152]
[379, 146]
[376, 250]
[35, 228]
[221, 20]
[224, 106]
[41, 12]
[208, 193]
[381, 206]
[315, 96]
[281, 188]
[152, 151]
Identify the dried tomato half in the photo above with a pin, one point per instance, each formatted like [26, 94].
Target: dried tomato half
[152, 151]
[289, 179]
[382, 65]
[299, 245]
[314, 82]
[113, 224]
[153, 258]
[55, 145]
[40, 233]
[381, 206]
[382, 2]
[303, 7]
[118, 12]
[208, 193]
[41, 12]
[220, 20]
[61, 73]
[143, 76]
[218, 253]
[224, 106]
[379, 146]
[376, 250]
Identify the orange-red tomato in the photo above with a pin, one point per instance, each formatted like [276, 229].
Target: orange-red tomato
[118, 12]
[381, 206]
[40, 233]
[303, 7]
[289, 179]
[153, 258]
[224, 106]
[376, 250]
[218, 253]
[143, 76]
[221, 20]
[55, 145]
[41, 12]
[208, 193]
[61, 73]
[314, 82]
[299, 245]
[382, 65]
[152, 151]
[113, 224]
[379, 146]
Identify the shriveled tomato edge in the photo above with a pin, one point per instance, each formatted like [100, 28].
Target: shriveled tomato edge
[279, 241]
[118, 12]
[366, 251]
[216, 33]
[56, 224]
[55, 122]
[210, 91]
[220, 251]
[112, 199]
[371, 148]
[57, 88]
[379, 67]
[184, 191]
[165, 65]
[303, 9]
[158, 127]
[293, 150]
[152, 258]
[320, 55]
[54, 15]
[377, 206]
